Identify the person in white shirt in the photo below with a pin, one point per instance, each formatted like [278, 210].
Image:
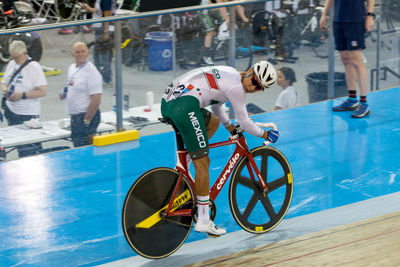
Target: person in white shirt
[288, 98]
[82, 96]
[23, 91]
[184, 103]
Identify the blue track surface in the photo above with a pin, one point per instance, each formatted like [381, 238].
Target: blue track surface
[65, 208]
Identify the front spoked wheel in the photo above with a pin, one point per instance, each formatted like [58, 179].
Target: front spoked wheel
[256, 211]
[147, 229]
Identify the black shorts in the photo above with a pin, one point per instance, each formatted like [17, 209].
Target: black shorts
[349, 35]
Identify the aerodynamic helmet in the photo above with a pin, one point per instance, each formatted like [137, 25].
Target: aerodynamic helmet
[265, 73]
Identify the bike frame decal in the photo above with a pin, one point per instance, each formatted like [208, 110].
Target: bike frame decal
[231, 164]
[155, 218]
[226, 172]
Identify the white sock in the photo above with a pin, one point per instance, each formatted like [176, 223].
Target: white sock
[203, 209]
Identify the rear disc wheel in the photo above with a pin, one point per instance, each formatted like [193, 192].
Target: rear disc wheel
[147, 230]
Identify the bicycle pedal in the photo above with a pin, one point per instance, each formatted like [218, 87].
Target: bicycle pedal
[213, 236]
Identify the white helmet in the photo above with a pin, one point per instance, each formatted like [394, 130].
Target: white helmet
[265, 72]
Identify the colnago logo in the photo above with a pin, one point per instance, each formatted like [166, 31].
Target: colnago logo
[199, 132]
[232, 163]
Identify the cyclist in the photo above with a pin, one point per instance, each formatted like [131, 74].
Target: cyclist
[184, 102]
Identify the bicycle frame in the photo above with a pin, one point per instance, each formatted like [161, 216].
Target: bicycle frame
[240, 151]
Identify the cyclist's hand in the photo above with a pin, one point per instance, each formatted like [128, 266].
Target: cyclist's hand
[272, 136]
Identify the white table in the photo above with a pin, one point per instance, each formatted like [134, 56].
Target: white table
[109, 117]
[16, 135]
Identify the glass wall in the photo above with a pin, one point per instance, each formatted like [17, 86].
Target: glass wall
[156, 47]
[385, 43]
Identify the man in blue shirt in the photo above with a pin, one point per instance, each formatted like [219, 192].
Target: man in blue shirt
[350, 22]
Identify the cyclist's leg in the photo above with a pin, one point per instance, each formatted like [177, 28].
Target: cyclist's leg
[209, 30]
[187, 116]
[211, 121]
[202, 180]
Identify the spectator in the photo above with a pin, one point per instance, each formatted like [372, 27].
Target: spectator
[280, 11]
[103, 42]
[24, 83]
[208, 19]
[82, 96]
[277, 23]
[288, 98]
[350, 22]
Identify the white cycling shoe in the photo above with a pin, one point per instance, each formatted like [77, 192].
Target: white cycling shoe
[209, 228]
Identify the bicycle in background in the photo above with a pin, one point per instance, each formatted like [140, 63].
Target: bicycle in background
[32, 40]
[160, 207]
[288, 29]
[17, 15]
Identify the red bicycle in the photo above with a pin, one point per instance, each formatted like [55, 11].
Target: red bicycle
[159, 208]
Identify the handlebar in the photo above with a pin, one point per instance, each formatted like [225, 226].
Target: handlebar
[267, 125]
[238, 130]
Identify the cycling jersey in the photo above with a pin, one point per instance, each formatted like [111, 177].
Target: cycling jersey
[213, 86]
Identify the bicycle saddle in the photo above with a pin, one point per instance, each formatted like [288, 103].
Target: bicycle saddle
[166, 121]
[170, 122]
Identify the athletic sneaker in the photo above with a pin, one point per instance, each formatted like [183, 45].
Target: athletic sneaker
[209, 228]
[346, 105]
[361, 110]
[208, 60]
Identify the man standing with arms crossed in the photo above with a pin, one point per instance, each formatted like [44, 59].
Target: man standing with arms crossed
[350, 22]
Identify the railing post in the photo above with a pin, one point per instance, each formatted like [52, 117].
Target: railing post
[232, 34]
[331, 59]
[118, 74]
[232, 44]
[173, 25]
[378, 48]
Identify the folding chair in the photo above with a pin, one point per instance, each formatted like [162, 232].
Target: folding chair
[46, 10]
